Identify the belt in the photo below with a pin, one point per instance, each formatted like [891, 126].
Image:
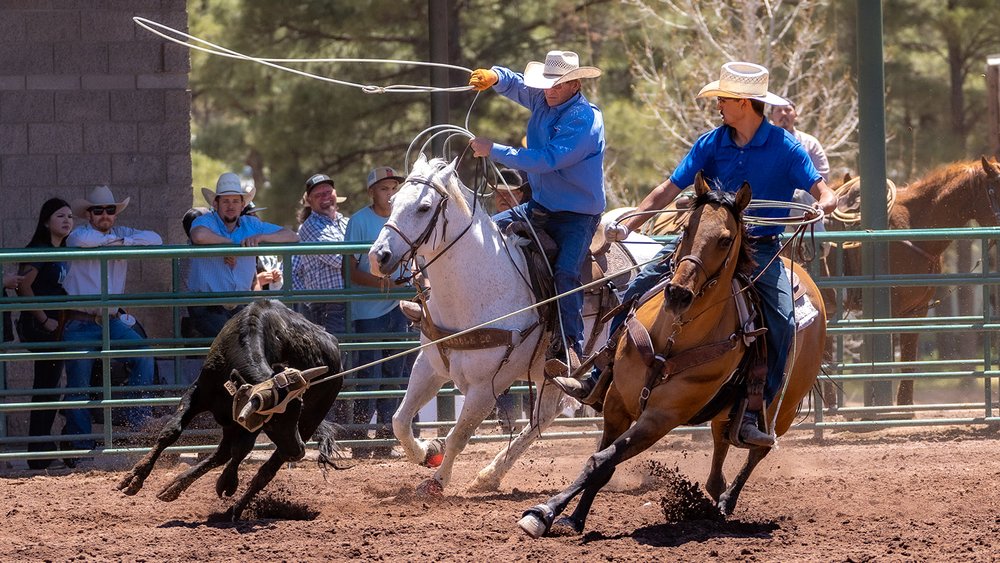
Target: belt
[765, 238]
[72, 315]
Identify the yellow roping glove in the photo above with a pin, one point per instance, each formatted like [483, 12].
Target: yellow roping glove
[483, 79]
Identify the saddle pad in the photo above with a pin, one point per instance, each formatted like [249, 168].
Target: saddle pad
[805, 313]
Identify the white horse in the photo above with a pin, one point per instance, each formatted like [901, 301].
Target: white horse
[475, 277]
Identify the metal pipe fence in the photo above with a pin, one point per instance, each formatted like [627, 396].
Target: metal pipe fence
[175, 353]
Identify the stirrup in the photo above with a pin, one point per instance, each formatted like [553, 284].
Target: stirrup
[556, 367]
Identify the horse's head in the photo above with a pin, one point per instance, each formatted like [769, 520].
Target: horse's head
[711, 245]
[992, 170]
[429, 198]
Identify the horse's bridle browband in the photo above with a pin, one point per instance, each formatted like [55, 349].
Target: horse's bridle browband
[426, 234]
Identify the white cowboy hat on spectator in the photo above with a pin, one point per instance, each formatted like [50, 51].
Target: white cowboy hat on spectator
[559, 67]
[99, 196]
[228, 184]
[742, 80]
[381, 173]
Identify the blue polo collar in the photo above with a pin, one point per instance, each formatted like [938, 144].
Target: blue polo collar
[759, 137]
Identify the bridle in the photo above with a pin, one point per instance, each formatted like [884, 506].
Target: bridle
[991, 193]
[425, 235]
[710, 280]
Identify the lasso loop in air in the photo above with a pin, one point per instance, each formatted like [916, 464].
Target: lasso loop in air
[204, 46]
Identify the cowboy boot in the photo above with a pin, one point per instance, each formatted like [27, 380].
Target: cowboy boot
[589, 391]
[751, 434]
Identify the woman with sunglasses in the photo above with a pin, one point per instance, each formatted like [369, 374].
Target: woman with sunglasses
[55, 221]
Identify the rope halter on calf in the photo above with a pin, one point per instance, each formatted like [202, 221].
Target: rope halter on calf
[253, 405]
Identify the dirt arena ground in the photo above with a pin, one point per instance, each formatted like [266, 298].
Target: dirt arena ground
[895, 495]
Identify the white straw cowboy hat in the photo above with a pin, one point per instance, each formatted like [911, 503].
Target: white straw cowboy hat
[559, 67]
[228, 184]
[99, 196]
[742, 80]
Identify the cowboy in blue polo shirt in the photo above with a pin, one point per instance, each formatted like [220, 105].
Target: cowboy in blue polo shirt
[564, 160]
[226, 225]
[745, 148]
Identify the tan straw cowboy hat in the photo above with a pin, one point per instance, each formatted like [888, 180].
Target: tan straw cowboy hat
[99, 196]
[559, 67]
[228, 184]
[742, 80]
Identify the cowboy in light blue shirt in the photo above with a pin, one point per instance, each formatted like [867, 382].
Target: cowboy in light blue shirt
[225, 225]
[564, 160]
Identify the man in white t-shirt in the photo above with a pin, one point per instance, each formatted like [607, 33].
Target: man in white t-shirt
[785, 117]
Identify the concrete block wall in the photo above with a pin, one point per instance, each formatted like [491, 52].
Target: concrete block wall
[87, 97]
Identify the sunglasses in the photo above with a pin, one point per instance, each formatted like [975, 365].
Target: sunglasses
[109, 209]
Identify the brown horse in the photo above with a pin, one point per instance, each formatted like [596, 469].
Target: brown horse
[949, 196]
[694, 314]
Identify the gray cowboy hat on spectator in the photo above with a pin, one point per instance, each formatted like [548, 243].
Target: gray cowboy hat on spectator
[228, 184]
[99, 196]
[559, 67]
[742, 80]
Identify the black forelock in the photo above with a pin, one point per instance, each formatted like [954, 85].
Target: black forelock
[745, 264]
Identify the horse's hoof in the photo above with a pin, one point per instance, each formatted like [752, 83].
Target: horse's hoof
[168, 494]
[565, 526]
[435, 454]
[171, 492]
[130, 484]
[725, 507]
[430, 488]
[536, 521]
[484, 485]
[532, 525]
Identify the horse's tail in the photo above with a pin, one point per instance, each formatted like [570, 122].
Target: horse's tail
[329, 452]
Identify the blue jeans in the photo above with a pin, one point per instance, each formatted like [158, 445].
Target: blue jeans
[209, 320]
[78, 375]
[573, 233]
[775, 298]
[393, 321]
[330, 316]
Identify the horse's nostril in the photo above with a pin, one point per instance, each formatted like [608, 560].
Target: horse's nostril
[384, 256]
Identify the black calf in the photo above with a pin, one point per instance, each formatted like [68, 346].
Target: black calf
[263, 335]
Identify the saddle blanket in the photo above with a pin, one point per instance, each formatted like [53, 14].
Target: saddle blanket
[805, 311]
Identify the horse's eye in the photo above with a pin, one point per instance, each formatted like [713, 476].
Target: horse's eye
[424, 208]
[726, 242]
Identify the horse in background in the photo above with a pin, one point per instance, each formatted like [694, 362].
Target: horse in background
[476, 275]
[949, 196]
[694, 322]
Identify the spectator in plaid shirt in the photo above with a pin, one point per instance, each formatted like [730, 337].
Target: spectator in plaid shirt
[321, 222]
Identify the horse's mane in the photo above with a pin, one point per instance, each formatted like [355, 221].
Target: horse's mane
[947, 177]
[745, 262]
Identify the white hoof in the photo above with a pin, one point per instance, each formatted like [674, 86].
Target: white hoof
[532, 525]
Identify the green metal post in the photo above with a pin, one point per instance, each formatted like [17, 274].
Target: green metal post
[871, 150]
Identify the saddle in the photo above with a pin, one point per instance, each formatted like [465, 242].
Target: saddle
[603, 257]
